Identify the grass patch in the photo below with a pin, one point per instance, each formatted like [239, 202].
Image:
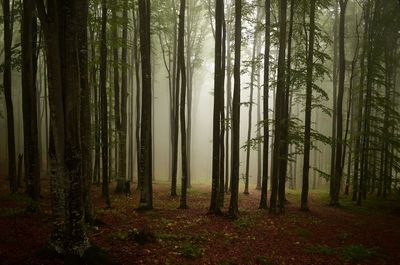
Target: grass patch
[302, 232]
[320, 249]
[356, 253]
[262, 260]
[244, 222]
[189, 250]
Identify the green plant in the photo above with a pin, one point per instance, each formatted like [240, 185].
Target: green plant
[189, 250]
[244, 222]
[358, 253]
[320, 249]
[302, 232]
[264, 260]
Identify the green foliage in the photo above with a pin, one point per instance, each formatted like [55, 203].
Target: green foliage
[189, 250]
[244, 222]
[302, 232]
[262, 260]
[320, 249]
[357, 253]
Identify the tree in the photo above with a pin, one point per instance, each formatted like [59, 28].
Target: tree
[252, 81]
[103, 105]
[146, 191]
[233, 205]
[28, 43]
[85, 122]
[264, 185]
[62, 23]
[7, 86]
[336, 178]
[182, 70]
[218, 88]
[123, 118]
[279, 159]
[307, 130]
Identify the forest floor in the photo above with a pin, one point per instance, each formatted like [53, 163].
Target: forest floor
[167, 235]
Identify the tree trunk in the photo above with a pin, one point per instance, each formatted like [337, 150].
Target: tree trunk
[235, 161]
[124, 97]
[146, 191]
[31, 138]
[182, 110]
[218, 92]
[307, 126]
[62, 24]
[103, 107]
[8, 97]
[336, 178]
[278, 174]
[250, 116]
[264, 187]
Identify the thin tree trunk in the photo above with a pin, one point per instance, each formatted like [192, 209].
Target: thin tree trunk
[182, 110]
[103, 103]
[264, 188]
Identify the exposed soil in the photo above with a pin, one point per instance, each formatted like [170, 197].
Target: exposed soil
[168, 235]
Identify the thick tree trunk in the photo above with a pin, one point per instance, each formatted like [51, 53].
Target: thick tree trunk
[235, 163]
[28, 37]
[336, 178]
[278, 174]
[122, 133]
[85, 124]
[8, 97]
[218, 88]
[307, 131]
[146, 189]
[62, 23]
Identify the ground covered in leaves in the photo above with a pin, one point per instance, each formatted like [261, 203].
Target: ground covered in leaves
[167, 235]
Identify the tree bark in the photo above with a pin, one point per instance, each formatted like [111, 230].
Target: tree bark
[8, 97]
[28, 42]
[146, 191]
[218, 92]
[264, 186]
[103, 106]
[336, 178]
[235, 162]
[307, 131]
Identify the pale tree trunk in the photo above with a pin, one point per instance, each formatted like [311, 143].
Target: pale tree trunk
[250, 115]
